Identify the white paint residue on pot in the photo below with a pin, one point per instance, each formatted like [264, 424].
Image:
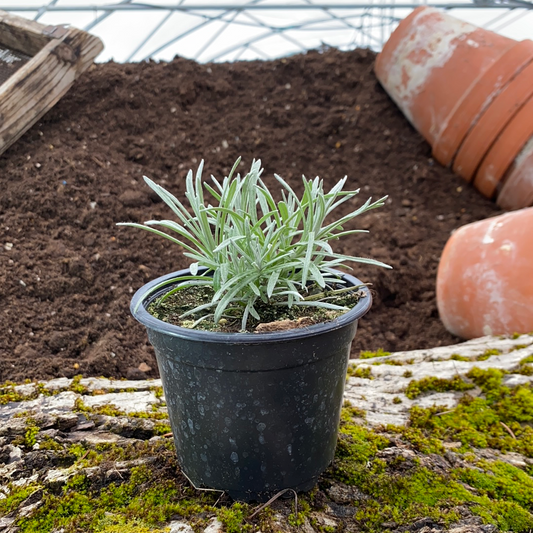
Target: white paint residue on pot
[492, 284]
[488, 238]
[507, 247]
[429, 47]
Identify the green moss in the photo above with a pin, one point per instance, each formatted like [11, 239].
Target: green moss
[508, 516]
[158, 391]
[9, 394]
[233, 518]
[76, 386]
[525, 366]
[162, 429]
[501, 419]
[418, 387]
[457, 357]
[15, 496]
[144, 498]
[29, 439]
[30, 436]
[41, 389]
[111, 410]
[520, 347]
[297, 519]
[400, 489]
[356, 445]
[487, 353]
[119, 524]
[490, 380]
[482, 357]
[392, 362]
[499, 480]
[369, 355]
[360, 372]
[526, 370]
[419, 439]
[22, 414]
[499, 493]
[396, 400]
[349, 412]
[407, 374]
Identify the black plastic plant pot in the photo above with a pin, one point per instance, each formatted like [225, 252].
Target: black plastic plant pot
[252, 413]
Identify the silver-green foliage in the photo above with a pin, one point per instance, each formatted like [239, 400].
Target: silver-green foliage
[255, 248]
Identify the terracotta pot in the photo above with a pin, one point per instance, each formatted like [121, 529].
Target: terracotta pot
[491, 123]
[477, 99]
[484, 281]
[517, 189]
[505, 149]
[431, 61]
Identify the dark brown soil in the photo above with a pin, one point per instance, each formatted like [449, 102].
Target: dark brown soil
[67, 279]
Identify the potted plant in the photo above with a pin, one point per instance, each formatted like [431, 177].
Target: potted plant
[254, 407]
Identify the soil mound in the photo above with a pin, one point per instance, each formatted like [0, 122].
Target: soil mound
[67, 272]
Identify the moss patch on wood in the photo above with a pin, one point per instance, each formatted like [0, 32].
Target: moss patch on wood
[400, 475]
[433, 384]
[370, 355]
[401, 486]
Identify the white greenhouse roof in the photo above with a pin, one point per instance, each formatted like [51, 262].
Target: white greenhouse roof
[210, 30]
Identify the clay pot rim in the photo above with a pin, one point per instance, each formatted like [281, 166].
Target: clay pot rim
[505, 149]
[492, 124]
[477, 99]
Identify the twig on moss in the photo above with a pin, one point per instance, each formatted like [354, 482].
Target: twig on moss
[273, 499]
[509, 430]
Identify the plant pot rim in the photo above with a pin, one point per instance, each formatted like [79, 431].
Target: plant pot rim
[146, 294]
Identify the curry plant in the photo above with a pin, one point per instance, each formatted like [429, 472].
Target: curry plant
[254, 248]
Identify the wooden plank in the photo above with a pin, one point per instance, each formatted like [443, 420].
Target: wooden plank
[38, 85]
[22, 35]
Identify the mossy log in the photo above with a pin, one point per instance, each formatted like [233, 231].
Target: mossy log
[430, 441]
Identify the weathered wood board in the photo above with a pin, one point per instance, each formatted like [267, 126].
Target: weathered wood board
[38, 65]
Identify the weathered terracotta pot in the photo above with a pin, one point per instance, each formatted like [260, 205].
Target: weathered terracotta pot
[506, 106]
[431, 61]
[469, 92]
[517, 189]
[478, 98]
[484, 280]
[505, 149]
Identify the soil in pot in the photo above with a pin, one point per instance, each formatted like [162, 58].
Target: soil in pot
[68, 273]
[170, 309]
